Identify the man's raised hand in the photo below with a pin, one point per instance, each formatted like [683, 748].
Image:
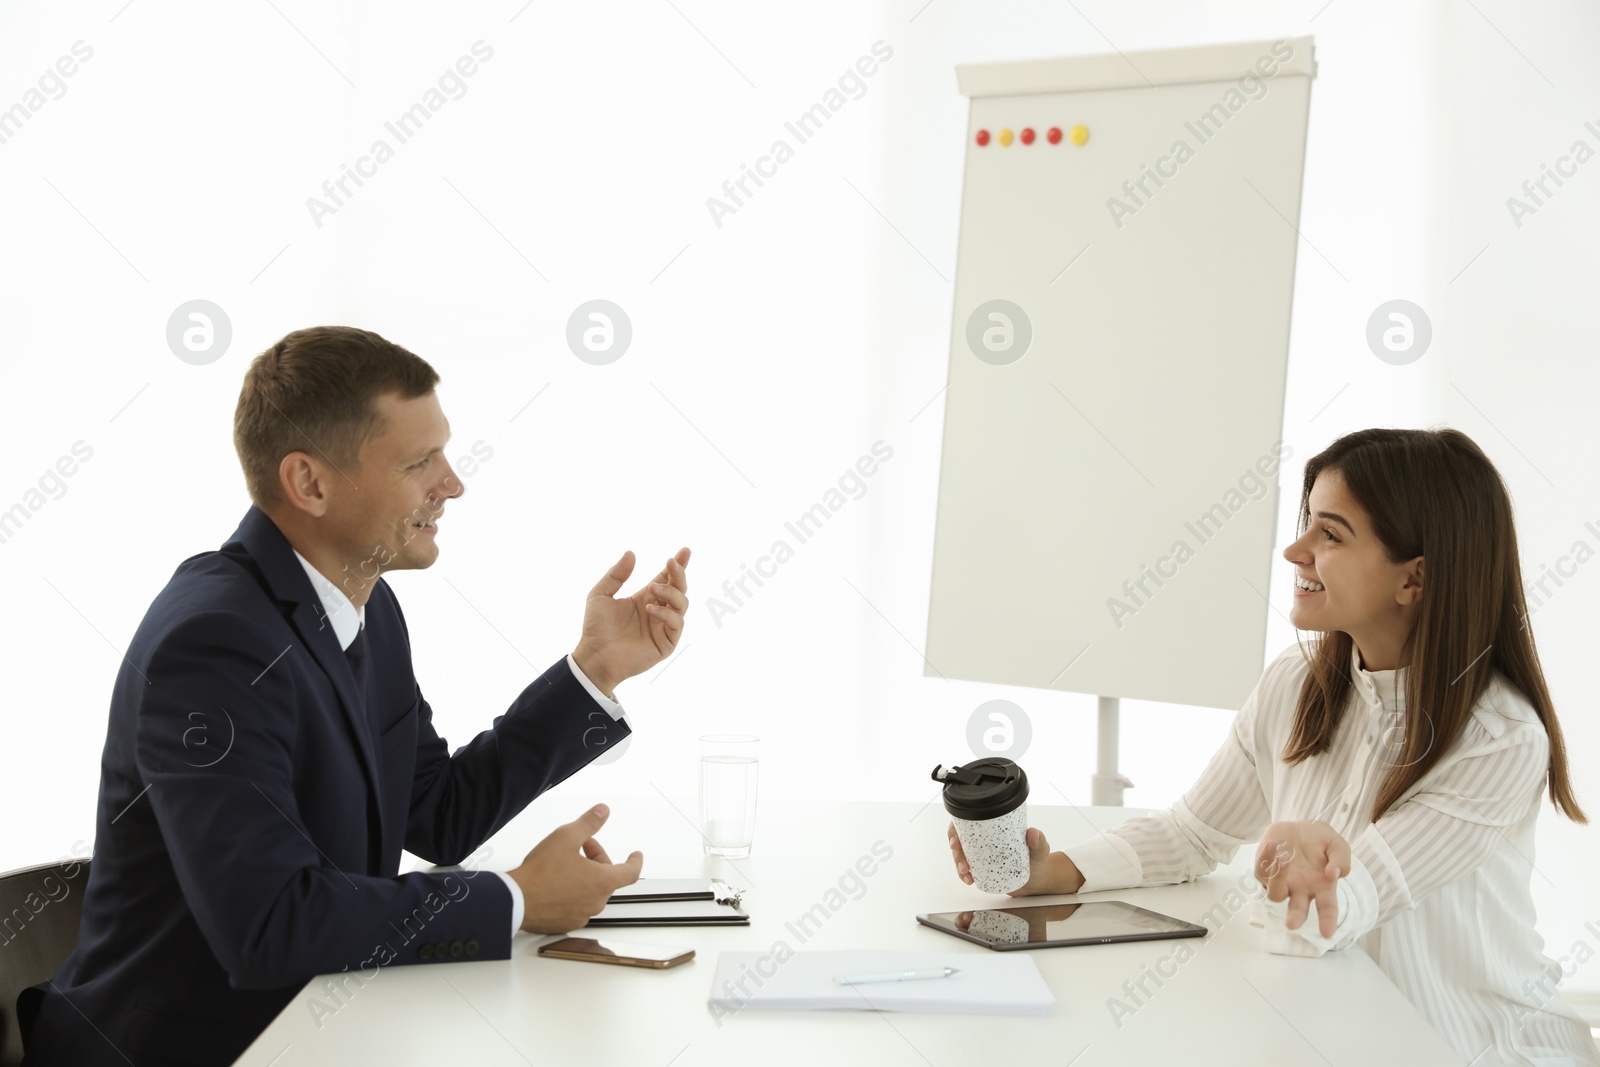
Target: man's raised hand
[626, 636]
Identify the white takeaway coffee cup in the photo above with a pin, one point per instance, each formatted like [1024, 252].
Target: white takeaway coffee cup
[987, 799]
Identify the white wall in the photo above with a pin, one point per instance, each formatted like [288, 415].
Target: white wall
[769, 352]
[1519, 372]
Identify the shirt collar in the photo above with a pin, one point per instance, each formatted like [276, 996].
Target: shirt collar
[337, 608]
[1381, 689]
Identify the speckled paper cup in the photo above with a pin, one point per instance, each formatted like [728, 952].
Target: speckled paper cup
[987, 801]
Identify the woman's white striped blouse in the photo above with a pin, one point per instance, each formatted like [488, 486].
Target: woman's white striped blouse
[1438, 893]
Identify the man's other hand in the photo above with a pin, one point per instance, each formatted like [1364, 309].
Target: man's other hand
[567, 878]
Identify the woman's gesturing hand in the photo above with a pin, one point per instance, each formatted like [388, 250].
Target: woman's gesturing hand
[1303, 861]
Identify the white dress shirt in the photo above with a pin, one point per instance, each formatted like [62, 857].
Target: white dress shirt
[347, 620]
[1438, 892]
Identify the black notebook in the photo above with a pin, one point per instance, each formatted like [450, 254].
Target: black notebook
[674, 902]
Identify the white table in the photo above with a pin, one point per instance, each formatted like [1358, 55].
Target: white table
[1232, 1003]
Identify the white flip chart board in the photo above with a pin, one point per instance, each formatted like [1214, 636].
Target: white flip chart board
[1112, 437]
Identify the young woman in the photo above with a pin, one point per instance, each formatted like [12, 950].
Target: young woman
[1392, 775]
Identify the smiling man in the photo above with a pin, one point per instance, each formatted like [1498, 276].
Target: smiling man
[269, 752]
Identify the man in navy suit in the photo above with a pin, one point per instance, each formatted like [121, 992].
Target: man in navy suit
[269, 752]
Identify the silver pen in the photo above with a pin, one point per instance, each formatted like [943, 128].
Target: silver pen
[895, 976]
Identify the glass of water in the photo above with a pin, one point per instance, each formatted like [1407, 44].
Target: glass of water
[728, 793]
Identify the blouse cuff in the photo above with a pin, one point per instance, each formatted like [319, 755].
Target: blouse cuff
[1106, 862]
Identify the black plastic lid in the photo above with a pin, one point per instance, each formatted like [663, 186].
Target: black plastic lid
[983, 789]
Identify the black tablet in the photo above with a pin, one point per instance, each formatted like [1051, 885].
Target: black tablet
[1096, 922]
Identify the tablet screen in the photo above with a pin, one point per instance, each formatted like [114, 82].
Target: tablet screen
[1049, 925]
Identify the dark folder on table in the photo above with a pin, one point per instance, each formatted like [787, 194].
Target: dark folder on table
[674, 902]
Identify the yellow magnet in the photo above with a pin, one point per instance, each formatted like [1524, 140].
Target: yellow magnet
[1005, 137]
[1079, 134]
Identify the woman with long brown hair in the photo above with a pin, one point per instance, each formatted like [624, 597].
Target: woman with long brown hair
[1393, 772]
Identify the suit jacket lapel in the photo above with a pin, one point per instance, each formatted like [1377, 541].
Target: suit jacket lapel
[287, 582]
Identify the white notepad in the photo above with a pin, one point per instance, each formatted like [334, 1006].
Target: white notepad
[988, 983]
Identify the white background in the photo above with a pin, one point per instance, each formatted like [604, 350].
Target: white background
[768, 353]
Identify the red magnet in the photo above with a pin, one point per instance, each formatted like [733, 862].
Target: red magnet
[1054, 135]
[1027, 135]
[983, 138]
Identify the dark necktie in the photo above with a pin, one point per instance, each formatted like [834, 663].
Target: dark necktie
[356, 654]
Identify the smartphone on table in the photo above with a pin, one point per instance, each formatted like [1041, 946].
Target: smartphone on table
[627, 953]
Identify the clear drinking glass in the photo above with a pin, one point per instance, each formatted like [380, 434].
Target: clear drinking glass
[728, 793]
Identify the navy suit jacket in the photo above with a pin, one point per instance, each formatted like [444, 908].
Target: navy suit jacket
[253, 806]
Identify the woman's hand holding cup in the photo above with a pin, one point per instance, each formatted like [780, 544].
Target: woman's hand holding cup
[1046, 873]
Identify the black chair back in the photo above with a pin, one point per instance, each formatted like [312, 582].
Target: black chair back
[39, 912]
